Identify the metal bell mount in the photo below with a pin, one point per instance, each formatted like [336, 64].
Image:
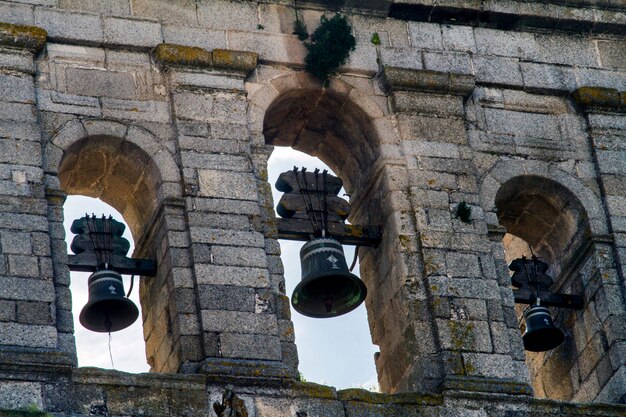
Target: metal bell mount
[532, 282]
[327, 287]
[101, 249]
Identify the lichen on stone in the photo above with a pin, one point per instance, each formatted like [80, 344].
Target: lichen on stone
[32, 38]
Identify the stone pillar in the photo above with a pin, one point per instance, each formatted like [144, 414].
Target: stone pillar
[242, 311]
[602, 344]
[35, 318]
[446, 324]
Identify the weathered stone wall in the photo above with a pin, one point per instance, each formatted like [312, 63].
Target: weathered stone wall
[515, 108]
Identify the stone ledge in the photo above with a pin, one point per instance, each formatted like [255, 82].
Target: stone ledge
[253, 372]
[361, 395]
[169, 55]
[404, 79]
[486, 385]
[32, 38]
[516, 15]
[600, 98]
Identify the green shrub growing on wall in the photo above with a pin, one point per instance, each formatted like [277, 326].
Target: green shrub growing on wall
[330, 46]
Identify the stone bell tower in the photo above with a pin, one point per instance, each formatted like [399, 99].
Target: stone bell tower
[468, 133]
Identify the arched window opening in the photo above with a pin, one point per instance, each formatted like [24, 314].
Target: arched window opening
[336, 351]
[326, 124]
[544, 218]
[127, 346]
[122, 175]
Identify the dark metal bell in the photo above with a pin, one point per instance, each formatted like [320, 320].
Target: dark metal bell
[327, 288]
[541, 333]
[107, 310]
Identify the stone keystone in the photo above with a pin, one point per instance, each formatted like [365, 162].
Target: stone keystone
[32, 38]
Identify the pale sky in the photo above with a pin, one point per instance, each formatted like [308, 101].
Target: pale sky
[336, 352]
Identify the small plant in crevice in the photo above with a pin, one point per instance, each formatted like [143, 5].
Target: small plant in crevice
[300, 30]
[375, 38]
[330, 46]
[464, 212]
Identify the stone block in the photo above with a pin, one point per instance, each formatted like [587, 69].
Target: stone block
[16, 395]
[227, 237]
[451, 62]
[392, 33]
[233, 256]
[600, 78]
[15, 242]
[34, 312]
[206, 80]
[523, 124]
[36, 336]
[432, 129]
[171, 11]
[17, 89]
[17, 60]
[498, 70]
[103, 7]
[401, 57]
[227, 184]
[17, 14]
[250, 346]
[17, 112]
[98, 83]
[223, 14]
[570, 50]
[612, 53]
[427, 103]
[463, 265]
[69, 26]
[7, 310]
[490, 365]
[425, 35]
[68, 103]
[229, 298]
[243, 322]
[276, 48]
[230, 275]
[466, 288]
[426, 148]
[458, 38]
[207, 39]
[363, 60]
[23, 266]
[138, 33]
[508, 44]
[145, 111]
[464, 335]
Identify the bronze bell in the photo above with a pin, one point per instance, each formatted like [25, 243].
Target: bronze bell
[107, 310]
[327, 288]
[541, 333]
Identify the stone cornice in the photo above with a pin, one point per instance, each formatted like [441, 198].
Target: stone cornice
[31, 38]
[404, 79]
[178, 56]
[600, 98]
[581, 16]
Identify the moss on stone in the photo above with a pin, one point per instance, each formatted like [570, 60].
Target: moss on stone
[238, 61]
[598, 97]
[32, 38]
[312, 390]
[171, 55]
[361, 395]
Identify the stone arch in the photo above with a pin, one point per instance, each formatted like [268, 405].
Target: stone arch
[124, 165]
[289, 109]
[506, 170]
[557, 215]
